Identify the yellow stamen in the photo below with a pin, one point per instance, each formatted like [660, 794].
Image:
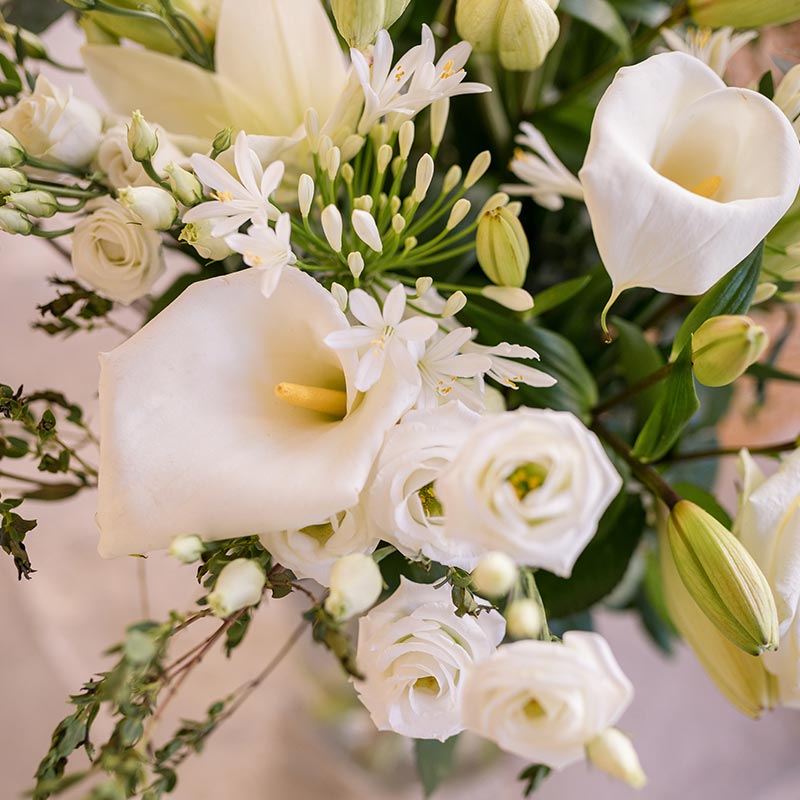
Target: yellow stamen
[427, 684]
[708, 187]
[223, 197]
[533, 709]
[447, 70]
[314, 398]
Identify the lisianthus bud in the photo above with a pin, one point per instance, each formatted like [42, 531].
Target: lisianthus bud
[355, 585]
[723, 578]
[524, 619]
[724, 347]
[613, 752]
[222, 141]
[12, 180]
[13, 221]
[12, 153]
[186, 549]
[502, 246]
[198, 235]
[360, 20]
[36, 203]
[32, 45]
[495, 575]
[521, 32]
[142, 139]
[743, 13]
[239, 585]
[185, 185]
[153, 207]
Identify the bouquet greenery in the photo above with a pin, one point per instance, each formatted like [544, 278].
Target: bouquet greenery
[440, 307]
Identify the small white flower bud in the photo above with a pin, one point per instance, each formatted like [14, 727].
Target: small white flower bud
[332, 226]
[509, 297]
[305, 194]
[367, 230]
[764, 291]
[364, 202]
[454, 304]
[406, 138]
[12, 180]
[398, 223]
[325, 145]
[334, 160]
[186, 549]
[239, 585]
[153, 207]
[524, 619]
[185, 185]
[355, 261]
[339, 295]
[13, 221]
[35, 203]
[423, 285]
[12, 153]
[384, 158]
[352, 146]
[348, 173]
[452, 178]
[495, 575]
[311, 122]
[394, 204]
[613, 752]
[478, 168]
[410, 243]
[142, 139]
[440, 110]
[424, 177]
[198, 235]
[355, 585]
[458, 213]
[379, 135]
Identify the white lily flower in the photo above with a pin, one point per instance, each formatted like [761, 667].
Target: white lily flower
[383, 334]
[549, 181]
[227, 415]
[675, 198]
[267, 250]
[507, 372]
[237, 201]
[715, 48]
[787, 97]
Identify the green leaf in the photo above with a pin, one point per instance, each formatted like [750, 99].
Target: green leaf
[651, 12]
[434, 761]
[766, 85]
[34, 15]
[602, 564]
[638, 359]
[732, 294]
[602, 16]
[555, 296]
[676, 406]
[534, 776]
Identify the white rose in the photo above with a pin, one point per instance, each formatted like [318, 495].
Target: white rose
[401, 504]
[768, 525]
[52, 124]
[356, 584]
[312, 551]
[545, 701]
[530, 483]
[239, 585]
[413, 652]
[114, 254]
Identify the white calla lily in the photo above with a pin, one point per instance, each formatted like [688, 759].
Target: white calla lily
[195, 438]
[684, 176]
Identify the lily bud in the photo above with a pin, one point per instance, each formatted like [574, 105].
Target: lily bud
[355, 584]
[198, 235]
[520, 32]
[186, 549]
[360, 20]
[613, 752]
[35, 203]
[12, 180]
[185, 185]
[239, 585]
[12, 153]
[743, 13]
[153, 207]
[724, 347]
[524, 619]
[495, 575]
[13, 221]
[142, 139]
[723, 578]
[502, 248]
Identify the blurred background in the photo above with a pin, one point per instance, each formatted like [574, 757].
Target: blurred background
[301, 735]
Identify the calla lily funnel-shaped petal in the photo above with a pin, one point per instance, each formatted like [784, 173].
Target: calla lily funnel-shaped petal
[684, 176]
[195, 440]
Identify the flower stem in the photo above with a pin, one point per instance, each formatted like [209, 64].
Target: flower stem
[631, 391]
[761, 450]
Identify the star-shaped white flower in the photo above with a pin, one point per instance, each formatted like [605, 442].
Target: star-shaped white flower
[507, 372]
[381, 334]
[266, 249]
[237, 201]
[715, 48]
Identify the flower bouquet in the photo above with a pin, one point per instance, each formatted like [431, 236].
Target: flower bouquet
[427, 313]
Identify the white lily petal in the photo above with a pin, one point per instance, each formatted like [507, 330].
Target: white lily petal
[195, 440]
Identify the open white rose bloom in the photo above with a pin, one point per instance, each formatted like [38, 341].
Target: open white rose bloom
[355, 355]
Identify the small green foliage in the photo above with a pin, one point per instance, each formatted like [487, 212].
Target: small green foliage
[462, 596]
[435, 761]
[75, 309]
[13, 529]
[533, 777]
[332, 634]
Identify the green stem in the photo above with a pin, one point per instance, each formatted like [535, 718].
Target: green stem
[64, 191]
[626, 394]
[761, 450]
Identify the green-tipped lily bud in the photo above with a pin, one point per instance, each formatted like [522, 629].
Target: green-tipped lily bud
[502, 246]
[360, 20]
[142, 139]
[13, 221]
[613, 752]
[185, 186]
[722, 577]
[724, 347]
[12, 180]
[520, 32]
[35, 203]
[743, 13]
[12, 153]
[153, 207]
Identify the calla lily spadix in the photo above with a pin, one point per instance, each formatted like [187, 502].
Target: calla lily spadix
[208, 420]
[684, 176]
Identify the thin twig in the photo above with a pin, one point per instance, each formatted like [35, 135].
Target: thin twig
[761, 450]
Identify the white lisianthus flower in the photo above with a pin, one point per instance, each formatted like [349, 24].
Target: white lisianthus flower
[356, 583]
[312, 551]
[115, 254]
[676, 201]
[545, 701]
[414, 652]
[227, 415]
[53, 125]
[531, 483]
[768, 525]
[239, 585]
[715, 48]
[402, 506]
[115, 160]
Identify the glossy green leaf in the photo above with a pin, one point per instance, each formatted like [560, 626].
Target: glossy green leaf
[34, 15]
[638, 359]
[555, 296]
[602, 16]
[434, 761]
